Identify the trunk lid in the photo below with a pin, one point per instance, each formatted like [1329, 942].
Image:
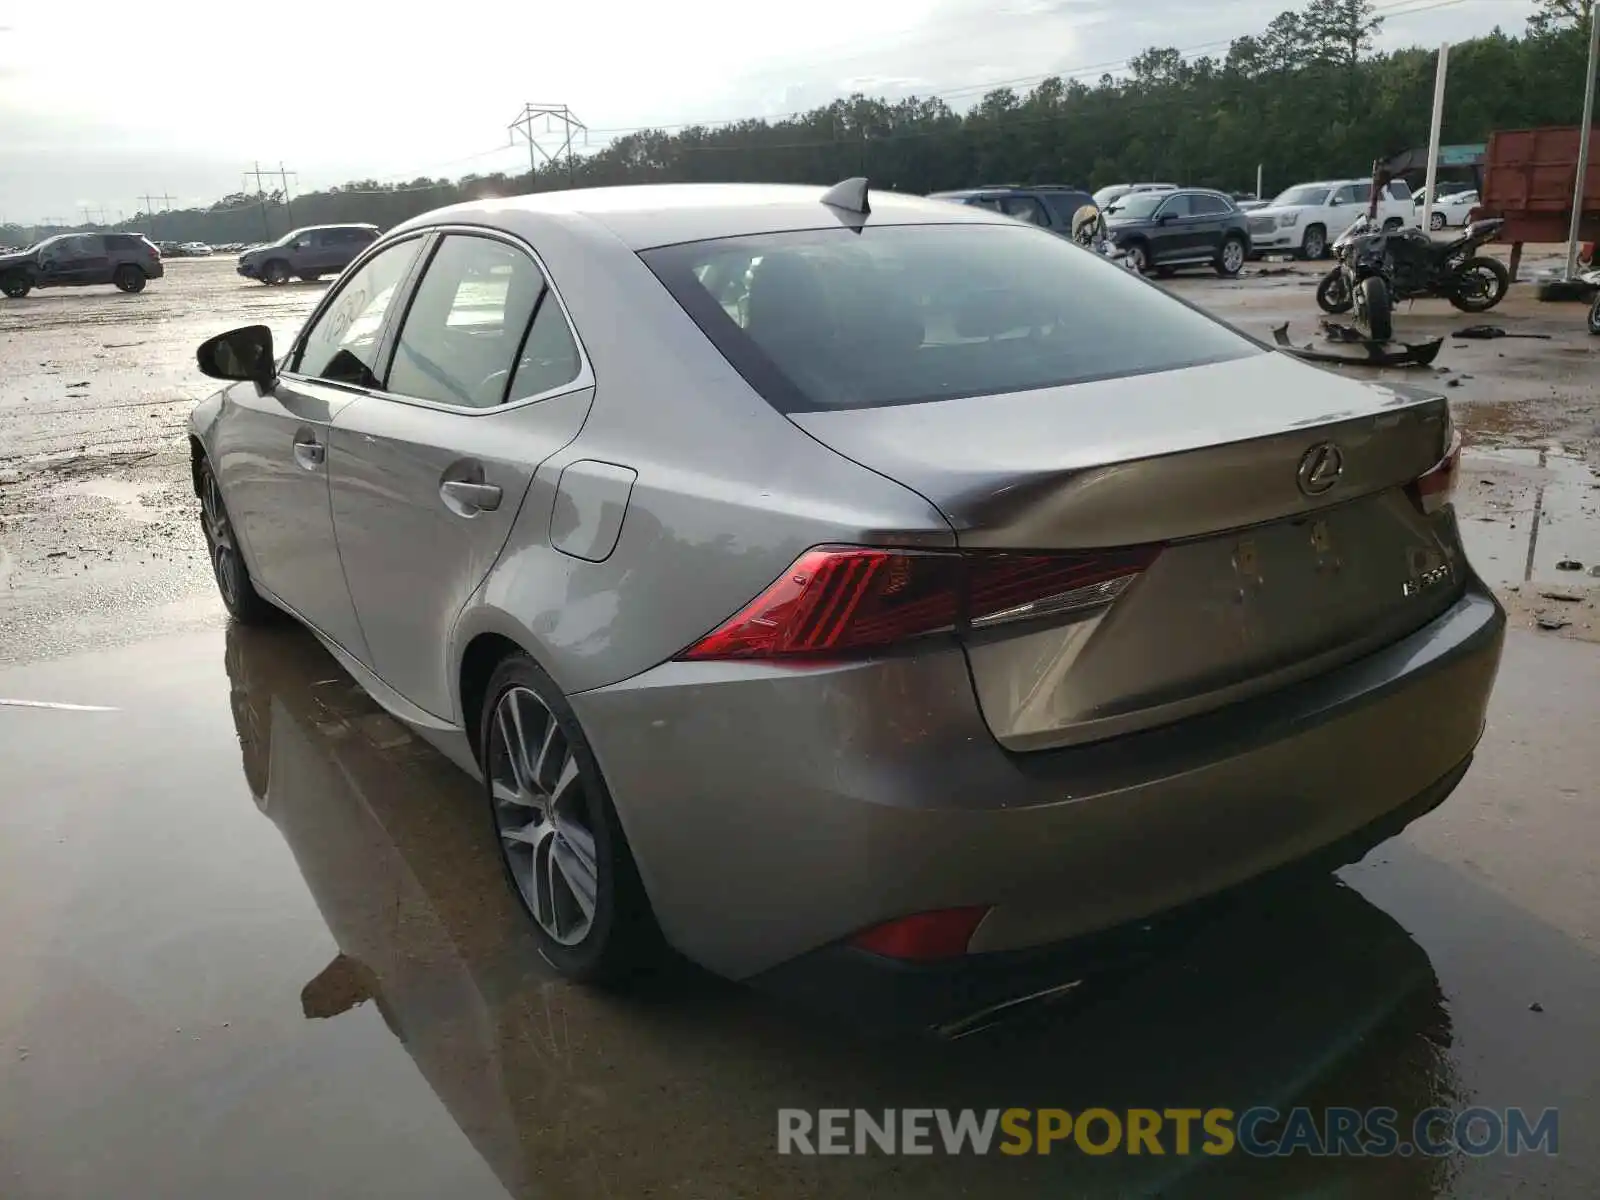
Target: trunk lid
[1260, 580]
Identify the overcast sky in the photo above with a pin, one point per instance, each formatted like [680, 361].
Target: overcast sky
[98, 108]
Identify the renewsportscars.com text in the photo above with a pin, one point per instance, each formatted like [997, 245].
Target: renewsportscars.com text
[1259, 1132]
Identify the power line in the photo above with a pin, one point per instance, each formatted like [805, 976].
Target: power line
[261, 196]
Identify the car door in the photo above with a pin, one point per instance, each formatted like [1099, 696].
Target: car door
[271, 445]
[485, 381]
[1208, 215]
[1171, 236]
[1345, 205]
[79, 259]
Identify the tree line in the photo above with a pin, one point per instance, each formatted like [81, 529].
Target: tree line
[1307, 97]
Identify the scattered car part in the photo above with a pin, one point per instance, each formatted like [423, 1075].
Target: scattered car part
[1378, 354]
[1488, 333]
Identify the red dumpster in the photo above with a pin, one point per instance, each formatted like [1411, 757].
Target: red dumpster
[1528, 177]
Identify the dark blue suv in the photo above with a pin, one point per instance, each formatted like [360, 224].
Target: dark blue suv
[1048, 204]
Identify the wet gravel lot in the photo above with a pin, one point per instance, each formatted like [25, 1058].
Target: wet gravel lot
[257, 942]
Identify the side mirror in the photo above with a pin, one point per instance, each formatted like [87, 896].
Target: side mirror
[239, 355]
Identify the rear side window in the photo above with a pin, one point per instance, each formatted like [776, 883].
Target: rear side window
[1400, 189]
[1024, 208]
[467, 331]
[830, 318]
[1209, 206]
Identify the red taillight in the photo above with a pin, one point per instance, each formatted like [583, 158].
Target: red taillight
[923, 937]
[1434, 487]
[837, 600]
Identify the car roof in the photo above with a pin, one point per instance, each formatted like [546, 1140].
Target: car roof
[648, 215]
[998, 189]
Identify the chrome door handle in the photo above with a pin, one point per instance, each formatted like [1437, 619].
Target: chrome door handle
[480, 497]
[310, 454]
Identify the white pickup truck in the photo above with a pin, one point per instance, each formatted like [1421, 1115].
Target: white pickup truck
[1307, 218]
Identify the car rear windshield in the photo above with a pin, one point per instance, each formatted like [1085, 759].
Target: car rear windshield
[897, 314]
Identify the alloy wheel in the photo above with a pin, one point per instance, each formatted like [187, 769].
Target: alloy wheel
[224, 550]
[1232, 257]
[541, 810]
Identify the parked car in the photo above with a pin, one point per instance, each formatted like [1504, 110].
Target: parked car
[1111, 193]
[1049, 205]
[998, 525]
[1453, 208]
[194, 250]
[1164, 230]
[81, 260]
[307, 254]
[1306, 218]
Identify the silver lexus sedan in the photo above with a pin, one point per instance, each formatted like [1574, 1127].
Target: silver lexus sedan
[822, 576]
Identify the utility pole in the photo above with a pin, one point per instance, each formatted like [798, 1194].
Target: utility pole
[261, 196]
[288, 205]
[1431, 186]
[552, 114]
[1585, 132]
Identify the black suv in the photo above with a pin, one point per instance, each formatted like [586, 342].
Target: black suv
[80, 260]
[1190, 227]
[308, 253]
[1050, 205]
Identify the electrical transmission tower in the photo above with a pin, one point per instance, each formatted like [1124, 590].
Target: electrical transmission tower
[258, 175]
[552, 115]
[150, 208]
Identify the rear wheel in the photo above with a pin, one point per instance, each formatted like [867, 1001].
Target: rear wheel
[1230, 261]
[1436, 221]
[1594, 317]
[1333, 293]
[15, 285]
[1374, 314]
[561, 843]
[1392, 224]
[239, 595]
[1315, 243]
[1481, 283]
[1136, 257]
[275, 272]
[129, 278]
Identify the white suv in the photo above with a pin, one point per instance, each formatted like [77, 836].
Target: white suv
[1307, 218]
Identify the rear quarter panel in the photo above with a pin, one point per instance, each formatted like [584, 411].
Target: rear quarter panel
[728, 493]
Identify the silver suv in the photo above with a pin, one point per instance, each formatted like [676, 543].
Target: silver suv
[307, 254]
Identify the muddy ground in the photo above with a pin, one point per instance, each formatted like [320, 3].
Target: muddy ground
[99, 545]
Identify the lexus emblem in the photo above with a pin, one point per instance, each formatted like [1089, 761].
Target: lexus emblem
[1320, 468]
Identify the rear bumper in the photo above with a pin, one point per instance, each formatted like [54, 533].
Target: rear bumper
[155, 270]
[775, 811]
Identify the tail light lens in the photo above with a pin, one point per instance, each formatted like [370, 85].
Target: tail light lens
[837, 600]
[1433, 489]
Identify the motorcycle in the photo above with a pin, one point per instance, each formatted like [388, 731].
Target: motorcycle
[1377, 267]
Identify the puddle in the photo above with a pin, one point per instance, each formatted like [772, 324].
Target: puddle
[122, 493]
[1525, 508]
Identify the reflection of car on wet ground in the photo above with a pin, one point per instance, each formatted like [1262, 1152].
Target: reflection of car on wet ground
[81, 260]
[1301, 995]
[1164, 230]
[827, 587]
[307, 254]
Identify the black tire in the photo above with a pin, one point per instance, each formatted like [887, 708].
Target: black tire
[15, 285]
[1315, 243]
[275, 273]
[1374, 312]
[1165, 272]
[1333, 294]
[621, 935]
[1494, 292]
[1436, 222]
[129, 278]
[1594, 317]
[1230, 259]
[239, 595]
[1136, 257]
[1392, 224]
